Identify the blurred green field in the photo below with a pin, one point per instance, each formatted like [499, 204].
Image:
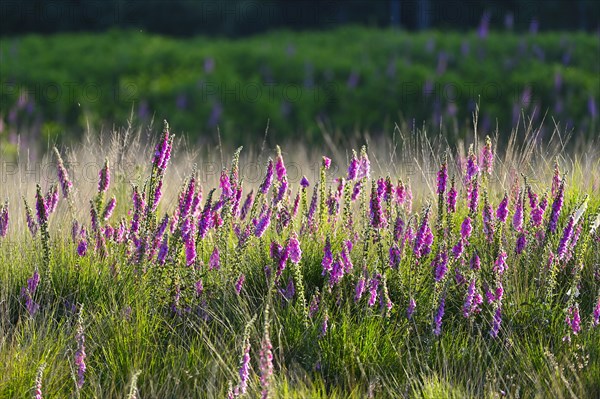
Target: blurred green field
[343, 81]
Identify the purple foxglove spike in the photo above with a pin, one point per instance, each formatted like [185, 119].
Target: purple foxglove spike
[442, 178]
[279, 165]
[327, 257]
[109, 209]
[556, 207]
[190, 251]
[410, 310]
[487, 156]
[496, 322]
[502, 211]
[521, 243]
[304, 182]
[353, 167]
[264, 187]
[214, 263]
[4, 219]
[326, 162]
[437, 320]
[294, 249]
[360, 289]
[104, 178]
[518, 216]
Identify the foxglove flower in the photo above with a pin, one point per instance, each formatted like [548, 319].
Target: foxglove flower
[336, 272]
[487, 156]
[266, 362]
[51, 199]
[488, 223]
[521, 243]
[440, 266]
[327, 257]
[279, 165]
[596, 314]
[373, 289]
[294, 249]
[377, 218]
[472, 169]
[474, 197]
[469, 299]
[80, 353]
[502, 211]
[565, 240]
[395, 256]
[240, 283]
[38, 382]
[466, 228]
[247, 204]
[304, 182]
[326, 162]
[163, 251]
[518, 216]
[359, 289]
[424, 238]
[4, 218]
[109, 209]
[496, 322]
[364, 169]
[104, 178]
[500, 264]
[556, 207]
[345, 255]
[263, 223]
[63, 176]
[266, 184]
[437, 320]
[457, 249]
[442, 178]
[451, 200]
[214, 263]
[353, 167]
[28, 292]
[410, 310]
[244, 371]
[190, 251]
[82, 246]
[475, 262]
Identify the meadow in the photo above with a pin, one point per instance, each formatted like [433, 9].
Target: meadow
[135, 266]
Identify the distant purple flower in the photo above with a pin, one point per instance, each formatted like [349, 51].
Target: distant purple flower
[109, 208]
[214, 263]
[437, 320]
[440, 266]
[475, 262]
[573, 319]
[556, 207]
[336, 272]
[451, 200]
[472, 168]
[395, 256]
[592, 108]
[190, 251]
[266, 184]
[304, 182]
[410, 310]
[294, 249]
[327, 257]
[244, 371]
[104, 178]
[247, 204]
[500, 264]
[377, 217]
[373, 288]
[240, 283]
[353, 167]
[521, 243]
[364, 168]
[4, 218]
[280, 166]
[80, 353]
[518, 216]
[484, 25]
[466, 228]
[502, 211]
[596, 314]
[423, 238]
[457, 249]
[163, 251]
[360, 289]
[263, 223]
[487, 156]
[496, 322]
[442, 178]
[474, 197]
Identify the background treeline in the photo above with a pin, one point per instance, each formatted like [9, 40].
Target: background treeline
[244, 17]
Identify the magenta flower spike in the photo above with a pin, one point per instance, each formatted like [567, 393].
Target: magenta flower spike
[326, 162]
[466, 228]
[359, 289]
[4, 219]
[596, 314]
[410, 310]
[364, 169]
[294, 250]
[80, 352]
[437, 319]
[353, 167]
[327, 261]
[442, 178]
[496, 322]
[518, 216]
[451, 200]
[487, 156]
[502, 211]
[556, 207]
[214, 263]
[279, 165]
[561, 252]
[104, 178]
